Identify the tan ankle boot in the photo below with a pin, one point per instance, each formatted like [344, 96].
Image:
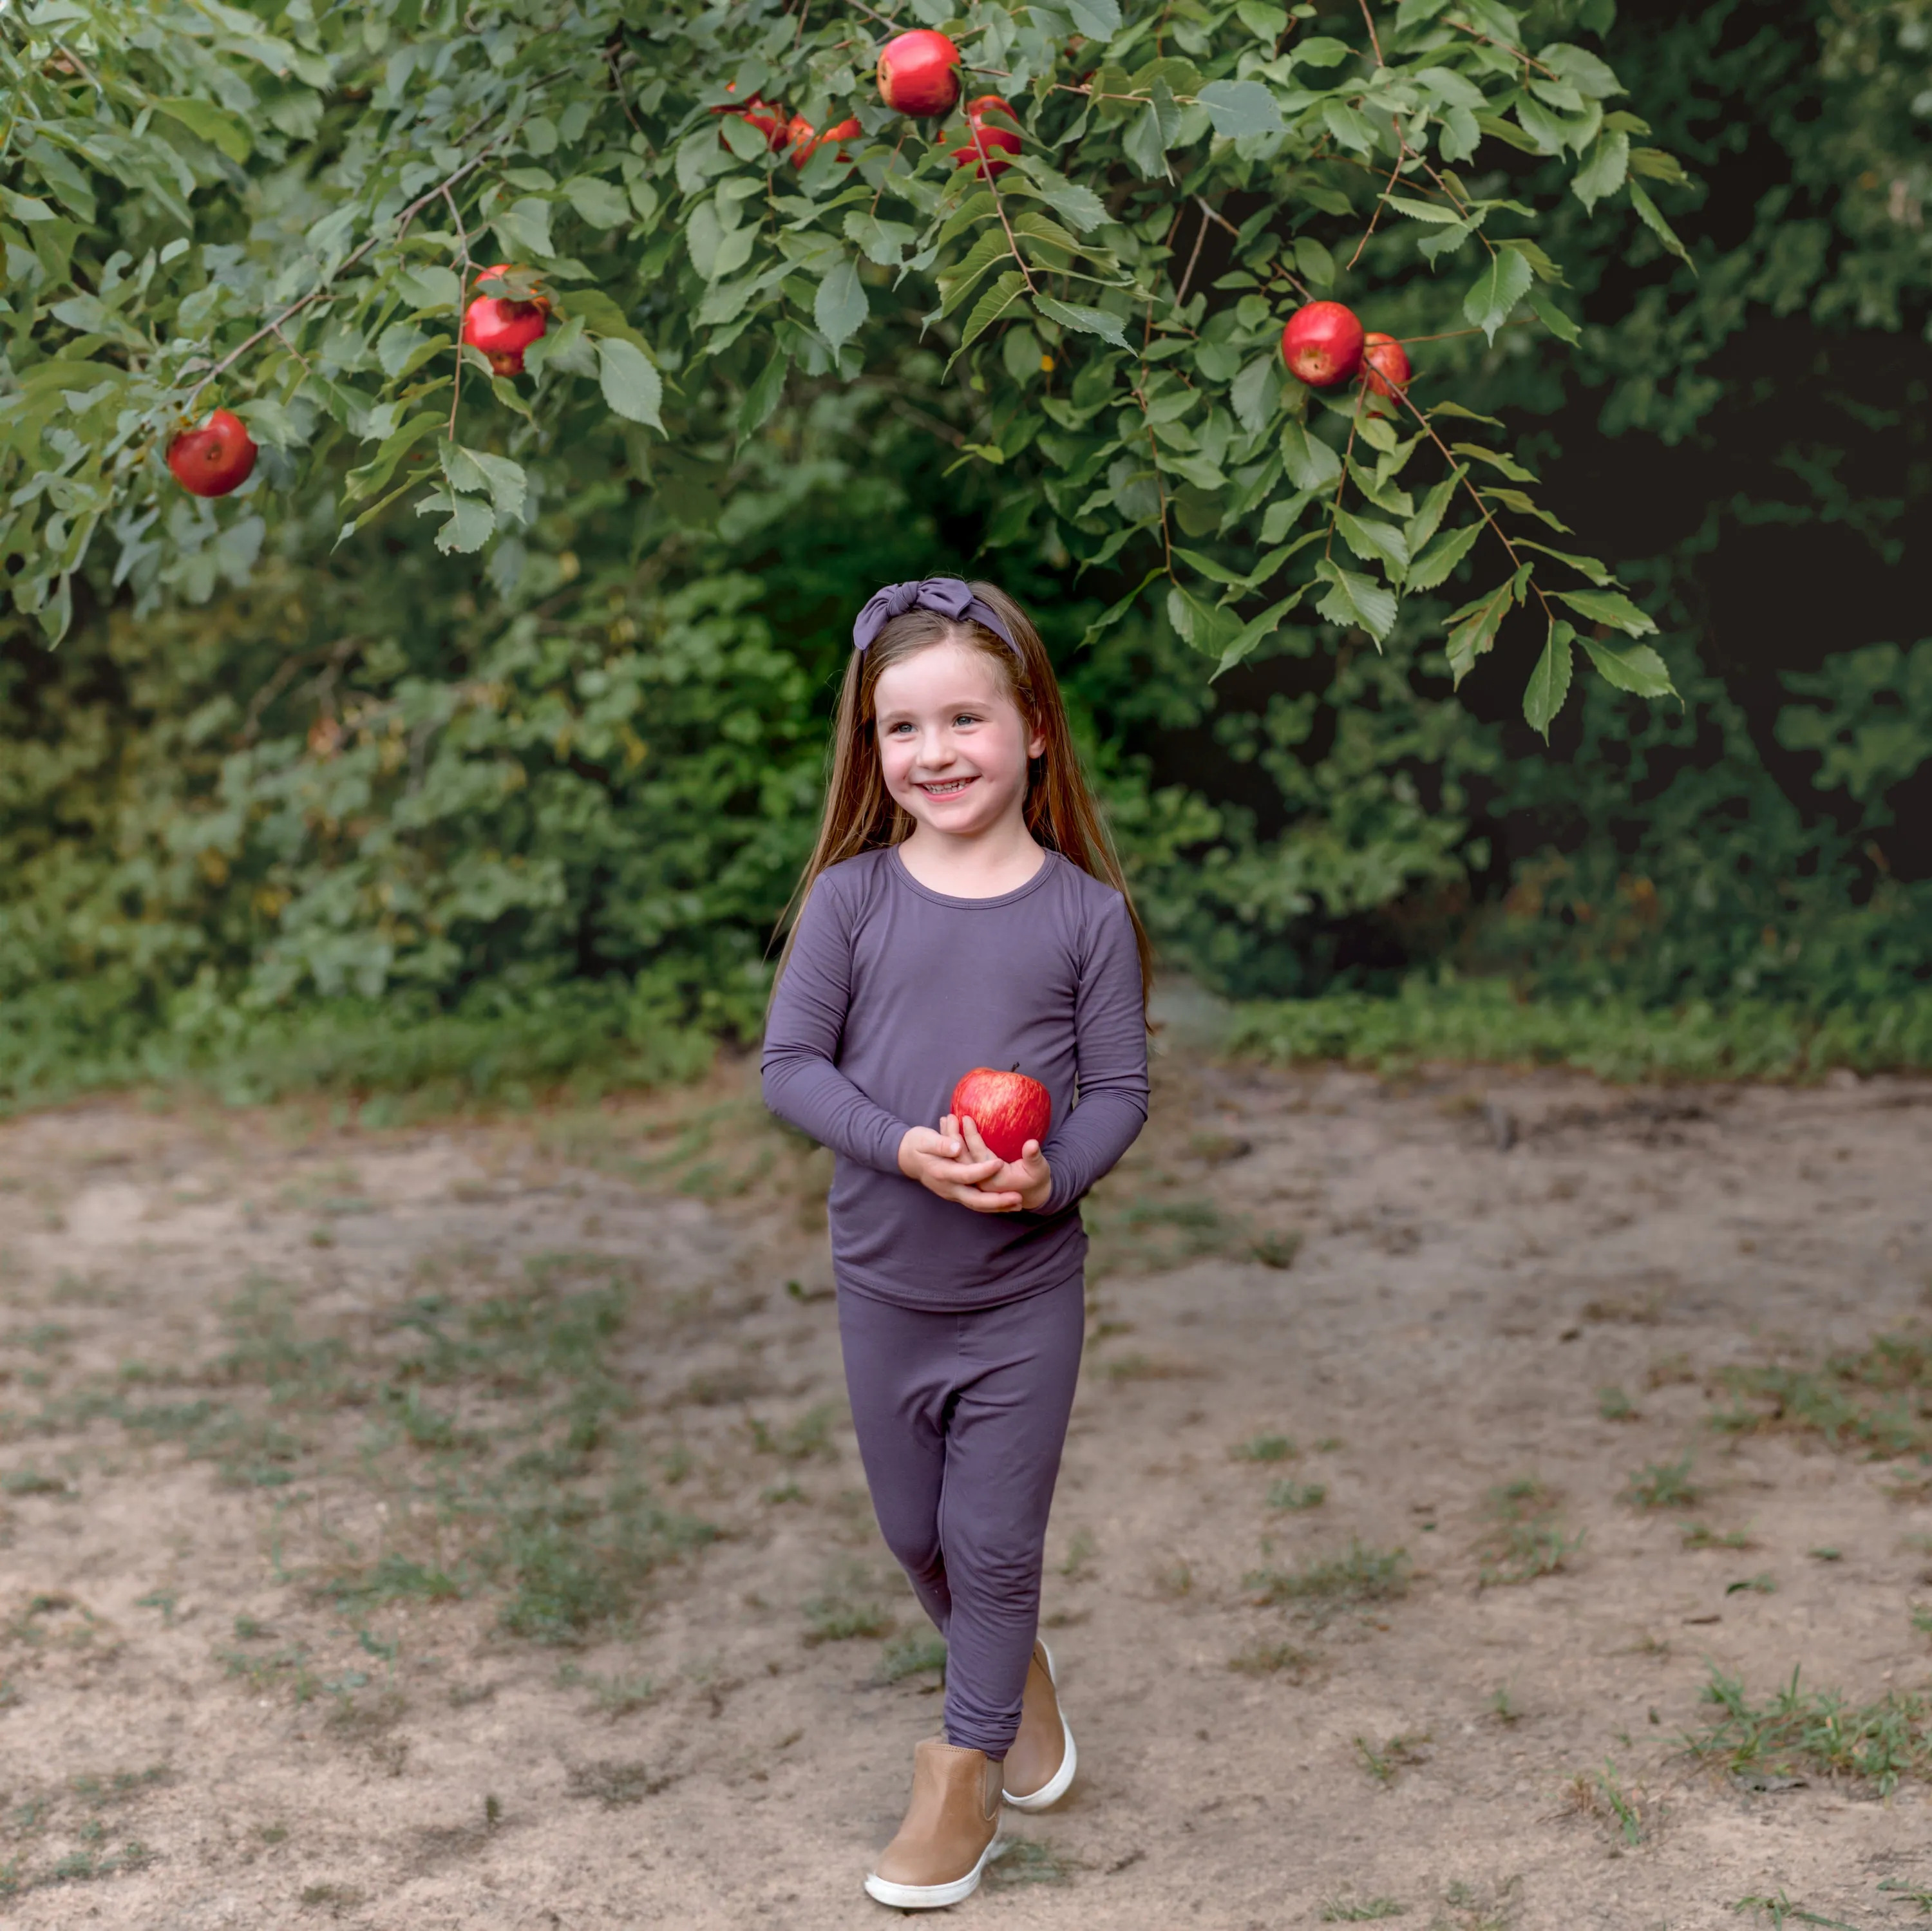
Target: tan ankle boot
[1040, 1765]
[951, 1831]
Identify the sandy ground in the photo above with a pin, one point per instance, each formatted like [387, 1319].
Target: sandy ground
[253, 1667]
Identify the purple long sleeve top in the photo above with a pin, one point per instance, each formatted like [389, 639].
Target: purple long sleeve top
[893, 991]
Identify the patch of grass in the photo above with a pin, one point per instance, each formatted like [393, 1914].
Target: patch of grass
[805, 1439]
[1078, 1562]
[1700, 1535]
[1878, 1397]
[1267, 1658]
[1781, 1911]
[1503, 1705]
[1326, 1588]
[1277, 1249]
[1662, 1485]
[1491, 1907]
[912, 1654]
[1525, 1539]
[1298, 1495]
[1264, 1448]
[1602, 1794]
[1613, 1405]
[29, 1481]
[1797, 1731]
[845, 1612]
[1386, 1761]
[615, 1696]
[1359, 1911]
[613, 1784]
[1763, 1584]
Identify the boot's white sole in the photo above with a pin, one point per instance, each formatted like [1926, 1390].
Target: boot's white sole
[932, 1897]
[1061, 1781]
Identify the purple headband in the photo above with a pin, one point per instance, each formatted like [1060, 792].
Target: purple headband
[948, 596]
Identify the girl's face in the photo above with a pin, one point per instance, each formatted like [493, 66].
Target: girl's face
[952, 745]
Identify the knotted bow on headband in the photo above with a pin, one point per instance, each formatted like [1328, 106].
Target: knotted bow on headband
[948, 596]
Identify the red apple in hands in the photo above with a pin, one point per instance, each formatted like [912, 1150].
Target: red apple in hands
[981, 145]
[1322, 344]
[1384, 364]
[919, 72]
[215, 459]
[1009, 1109]
[502, 327]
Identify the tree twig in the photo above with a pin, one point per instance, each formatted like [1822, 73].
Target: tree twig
[1368, 19]
[462, 298]
[1200, 235]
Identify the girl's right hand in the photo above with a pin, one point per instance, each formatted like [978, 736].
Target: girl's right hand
[937, 1161]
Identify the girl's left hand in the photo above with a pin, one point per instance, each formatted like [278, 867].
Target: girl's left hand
[1029, 1176]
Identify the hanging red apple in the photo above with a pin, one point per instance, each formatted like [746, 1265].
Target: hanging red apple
[985, 143]
[1322, 344]
[919, 72]
[804, 139]
[215, 459]
[502, 326]
[1008, 1109]
[1384, 364]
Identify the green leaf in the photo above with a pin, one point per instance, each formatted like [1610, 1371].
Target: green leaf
[1631, 666]
[1472, 629]
[1605, 170]
[1255, 392]
[1240, 107]
[26, 207]
[1263, 20]
[215, 125]
[1283, 514]
[1373, 541]
[1588, 566]
[1310, 463]
[884, 242]
[1254, 633]
[840, 307]
[372, 475]
[1496, 291]
[1507, 465]
[1097, 19]
[1549, 682]
[1507, 132]
[470, 524]
[1553, 318]
[601, 315]
[1113, 613]
[1433, 566]
[989, 308]
[427, 286]
[1356, 602]
[1350, 126]
[597, 202]
[630, 384]
[1647, 212]
[1457, 409]
[1524, 504]
[1086, 321]
[1609, 607]
[1145, 146]
[1207, 626]
[479, 473]
[524, 227]
[762, 398]
[1423, 211]
[1428, 520]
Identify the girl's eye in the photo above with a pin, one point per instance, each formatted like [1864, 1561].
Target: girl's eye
[967, 718]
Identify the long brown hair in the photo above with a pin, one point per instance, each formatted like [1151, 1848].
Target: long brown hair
[1061, 811]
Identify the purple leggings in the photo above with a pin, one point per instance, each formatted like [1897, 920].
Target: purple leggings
[960, 1419]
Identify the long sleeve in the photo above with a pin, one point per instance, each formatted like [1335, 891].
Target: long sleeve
[803, 1083]
[1110, 1041]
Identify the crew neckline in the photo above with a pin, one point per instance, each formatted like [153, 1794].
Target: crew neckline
[904, 876]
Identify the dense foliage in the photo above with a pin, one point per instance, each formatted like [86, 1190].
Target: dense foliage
[394, 809]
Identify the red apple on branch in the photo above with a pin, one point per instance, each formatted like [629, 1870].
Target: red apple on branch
[1322, 344]
[919, 72]
[1384, 364]
[980, 146]
[1009, 1108]
[215, 459]
[501, 327]
[806, 140]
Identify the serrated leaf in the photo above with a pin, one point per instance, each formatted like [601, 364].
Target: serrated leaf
[1458, 90]
[1240, 107]
[840, 307]
[1310, 463]
[1647, 211]
[598, 203]
[1265, 21]
[1496, 291]
[1086, 321]
[1251, 634]
[524, 227]
[1097, 19]
[1373, 541]
[1428, 520]
[1588, 566]
[1507, 465]
[1604, 172]
[1356, 602]
[884, 242]
[1654, 164]
[762, 398]
[1423, 211]
[956, 284]
[630, 384]
[1113, 613]
[990, 306]
[371, 476]
[1472, 629]
[1549, 682]
[1283, 514]
[1432, 567]
[1523, 505]
[1206, 627]
[1255, 392]
[426, 285]
[1462, 415]
[1609, 607]
[1146, 146]
[1350, 126]
[215, 125]
[1544, 269]
[1553, 318]
[1631, 666]
[470, 524]
[478, 472]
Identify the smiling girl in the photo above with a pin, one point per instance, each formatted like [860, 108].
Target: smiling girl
[963, 907]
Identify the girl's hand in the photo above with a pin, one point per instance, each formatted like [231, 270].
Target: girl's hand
[1029, 1178]
[942, 1164]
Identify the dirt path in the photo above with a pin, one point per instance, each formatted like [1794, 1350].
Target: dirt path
[459, 1526]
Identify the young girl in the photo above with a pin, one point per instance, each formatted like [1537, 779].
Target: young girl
[963, 908]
